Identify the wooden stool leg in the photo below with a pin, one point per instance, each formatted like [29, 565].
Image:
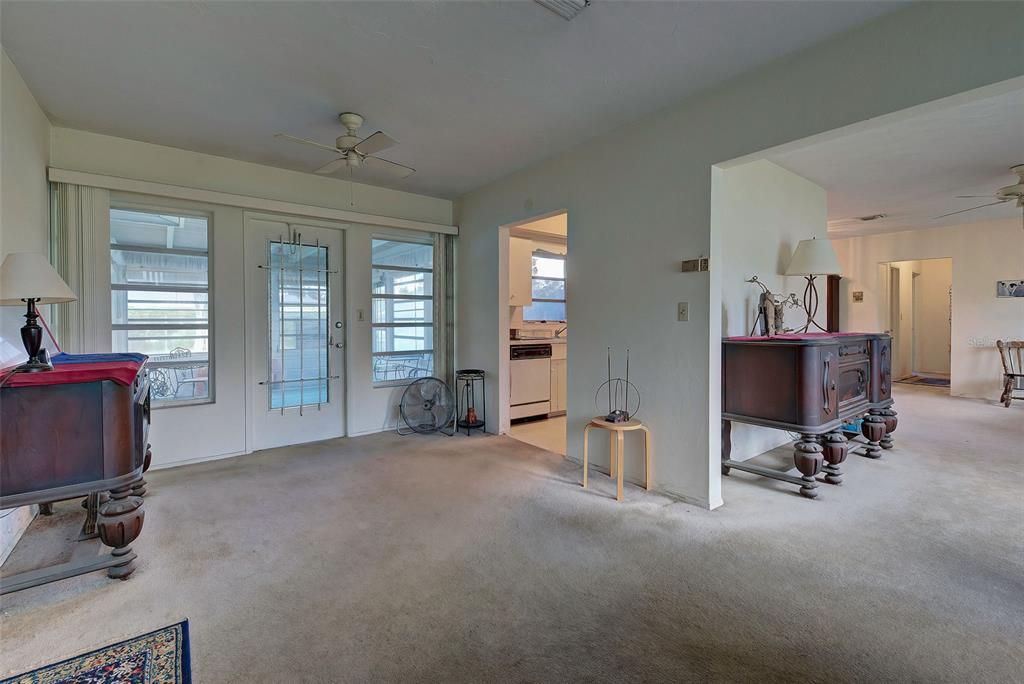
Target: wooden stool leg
[647, 459]
[611, 454]
[618, 467]
[586, 465]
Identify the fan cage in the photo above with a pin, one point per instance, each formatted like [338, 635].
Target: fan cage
[427, 406]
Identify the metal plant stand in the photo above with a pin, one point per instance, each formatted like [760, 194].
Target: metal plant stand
[466, 414]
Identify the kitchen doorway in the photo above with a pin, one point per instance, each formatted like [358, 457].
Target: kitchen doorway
[536, 332]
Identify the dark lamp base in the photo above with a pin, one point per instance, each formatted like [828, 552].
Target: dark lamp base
[34, 366]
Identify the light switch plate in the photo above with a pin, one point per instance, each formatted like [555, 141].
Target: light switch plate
[684, 311]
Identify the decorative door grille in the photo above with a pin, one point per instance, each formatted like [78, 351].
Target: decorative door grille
[298, 313]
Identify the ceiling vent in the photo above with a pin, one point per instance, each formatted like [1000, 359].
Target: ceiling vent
[567, 9]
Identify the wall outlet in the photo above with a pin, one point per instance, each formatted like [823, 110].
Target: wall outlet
[684, 311]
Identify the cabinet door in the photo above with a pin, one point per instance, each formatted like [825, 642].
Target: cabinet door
[520, 272]
[558, 388]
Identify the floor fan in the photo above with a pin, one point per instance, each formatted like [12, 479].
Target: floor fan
[427, 406]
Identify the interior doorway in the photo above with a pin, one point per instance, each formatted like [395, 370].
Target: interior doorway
[920, 314]
[535, 331]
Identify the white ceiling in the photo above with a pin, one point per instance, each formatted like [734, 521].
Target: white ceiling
[473, 90]
[912, 170]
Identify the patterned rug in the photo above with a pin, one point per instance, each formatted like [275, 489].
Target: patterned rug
[160, 657]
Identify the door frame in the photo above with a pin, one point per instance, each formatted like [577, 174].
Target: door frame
[253, 374]
[505, 317]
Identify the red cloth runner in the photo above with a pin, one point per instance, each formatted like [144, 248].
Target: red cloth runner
[797, 337]
[121, 372]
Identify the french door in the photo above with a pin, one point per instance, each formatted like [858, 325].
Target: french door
[296, 335]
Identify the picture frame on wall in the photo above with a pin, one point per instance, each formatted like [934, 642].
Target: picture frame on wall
[1010, 288]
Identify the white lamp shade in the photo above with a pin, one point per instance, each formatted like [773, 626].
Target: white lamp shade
[814, 257]
[27, 275]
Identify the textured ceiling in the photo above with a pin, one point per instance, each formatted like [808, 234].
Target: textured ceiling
[912, 170]
[472, 90]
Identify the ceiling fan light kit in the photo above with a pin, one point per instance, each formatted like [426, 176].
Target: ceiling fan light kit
[356, 153]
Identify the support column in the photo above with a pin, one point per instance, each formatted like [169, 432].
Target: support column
[139, 488]
[889, 416]
[119, 524]
[808, 459]
[834, 450]
[873, 429]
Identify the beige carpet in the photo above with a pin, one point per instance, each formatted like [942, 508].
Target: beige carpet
[423, 559]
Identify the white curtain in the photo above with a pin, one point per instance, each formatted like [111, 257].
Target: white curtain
[79, 251]
[444, 310]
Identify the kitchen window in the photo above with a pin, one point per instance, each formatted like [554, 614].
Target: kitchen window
[160, 299]
[548, 288]
[402, 318]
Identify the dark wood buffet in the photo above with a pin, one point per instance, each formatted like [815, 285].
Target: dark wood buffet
[812, 384]
[79, 430]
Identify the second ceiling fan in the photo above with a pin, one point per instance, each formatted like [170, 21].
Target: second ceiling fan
[355, 153]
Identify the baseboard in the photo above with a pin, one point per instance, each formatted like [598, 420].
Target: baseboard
[200, 459]
[704, 503]
[373, 431]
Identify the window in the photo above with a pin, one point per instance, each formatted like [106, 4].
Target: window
[548, 288]
[403, 310]
[160, 299]
[299, 331]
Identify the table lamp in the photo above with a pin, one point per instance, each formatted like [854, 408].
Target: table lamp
[813, 258]
[28, 278]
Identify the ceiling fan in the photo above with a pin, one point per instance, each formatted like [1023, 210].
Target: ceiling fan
[356, 153]
[1010, 193]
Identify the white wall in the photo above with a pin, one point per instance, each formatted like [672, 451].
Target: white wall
[25, 205]
[94, 153]
[194, 433]
[24, 220]
[759, 214]
[636, 210]
[981, 253]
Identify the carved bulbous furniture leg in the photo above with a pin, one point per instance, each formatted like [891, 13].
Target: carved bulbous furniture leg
[889, 416]
[139, 488]
[119, 524]
[873, 429]
[808, 459]
[834, 451]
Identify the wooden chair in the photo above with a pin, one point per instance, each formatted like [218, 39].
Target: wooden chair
[1012, 354]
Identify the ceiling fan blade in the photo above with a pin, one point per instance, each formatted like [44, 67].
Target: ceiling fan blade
[388, 167]
[974, 196]
[990, 204]
[375, 143]
[307, 142]
[331, 167]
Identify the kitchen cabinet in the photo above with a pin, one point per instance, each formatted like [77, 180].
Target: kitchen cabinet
[558, 385]
[520, 272]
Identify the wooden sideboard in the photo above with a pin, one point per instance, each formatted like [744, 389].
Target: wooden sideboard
[63, 436]
[812, 384]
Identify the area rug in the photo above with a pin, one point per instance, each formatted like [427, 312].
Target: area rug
[918, 380]
[160, 657]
